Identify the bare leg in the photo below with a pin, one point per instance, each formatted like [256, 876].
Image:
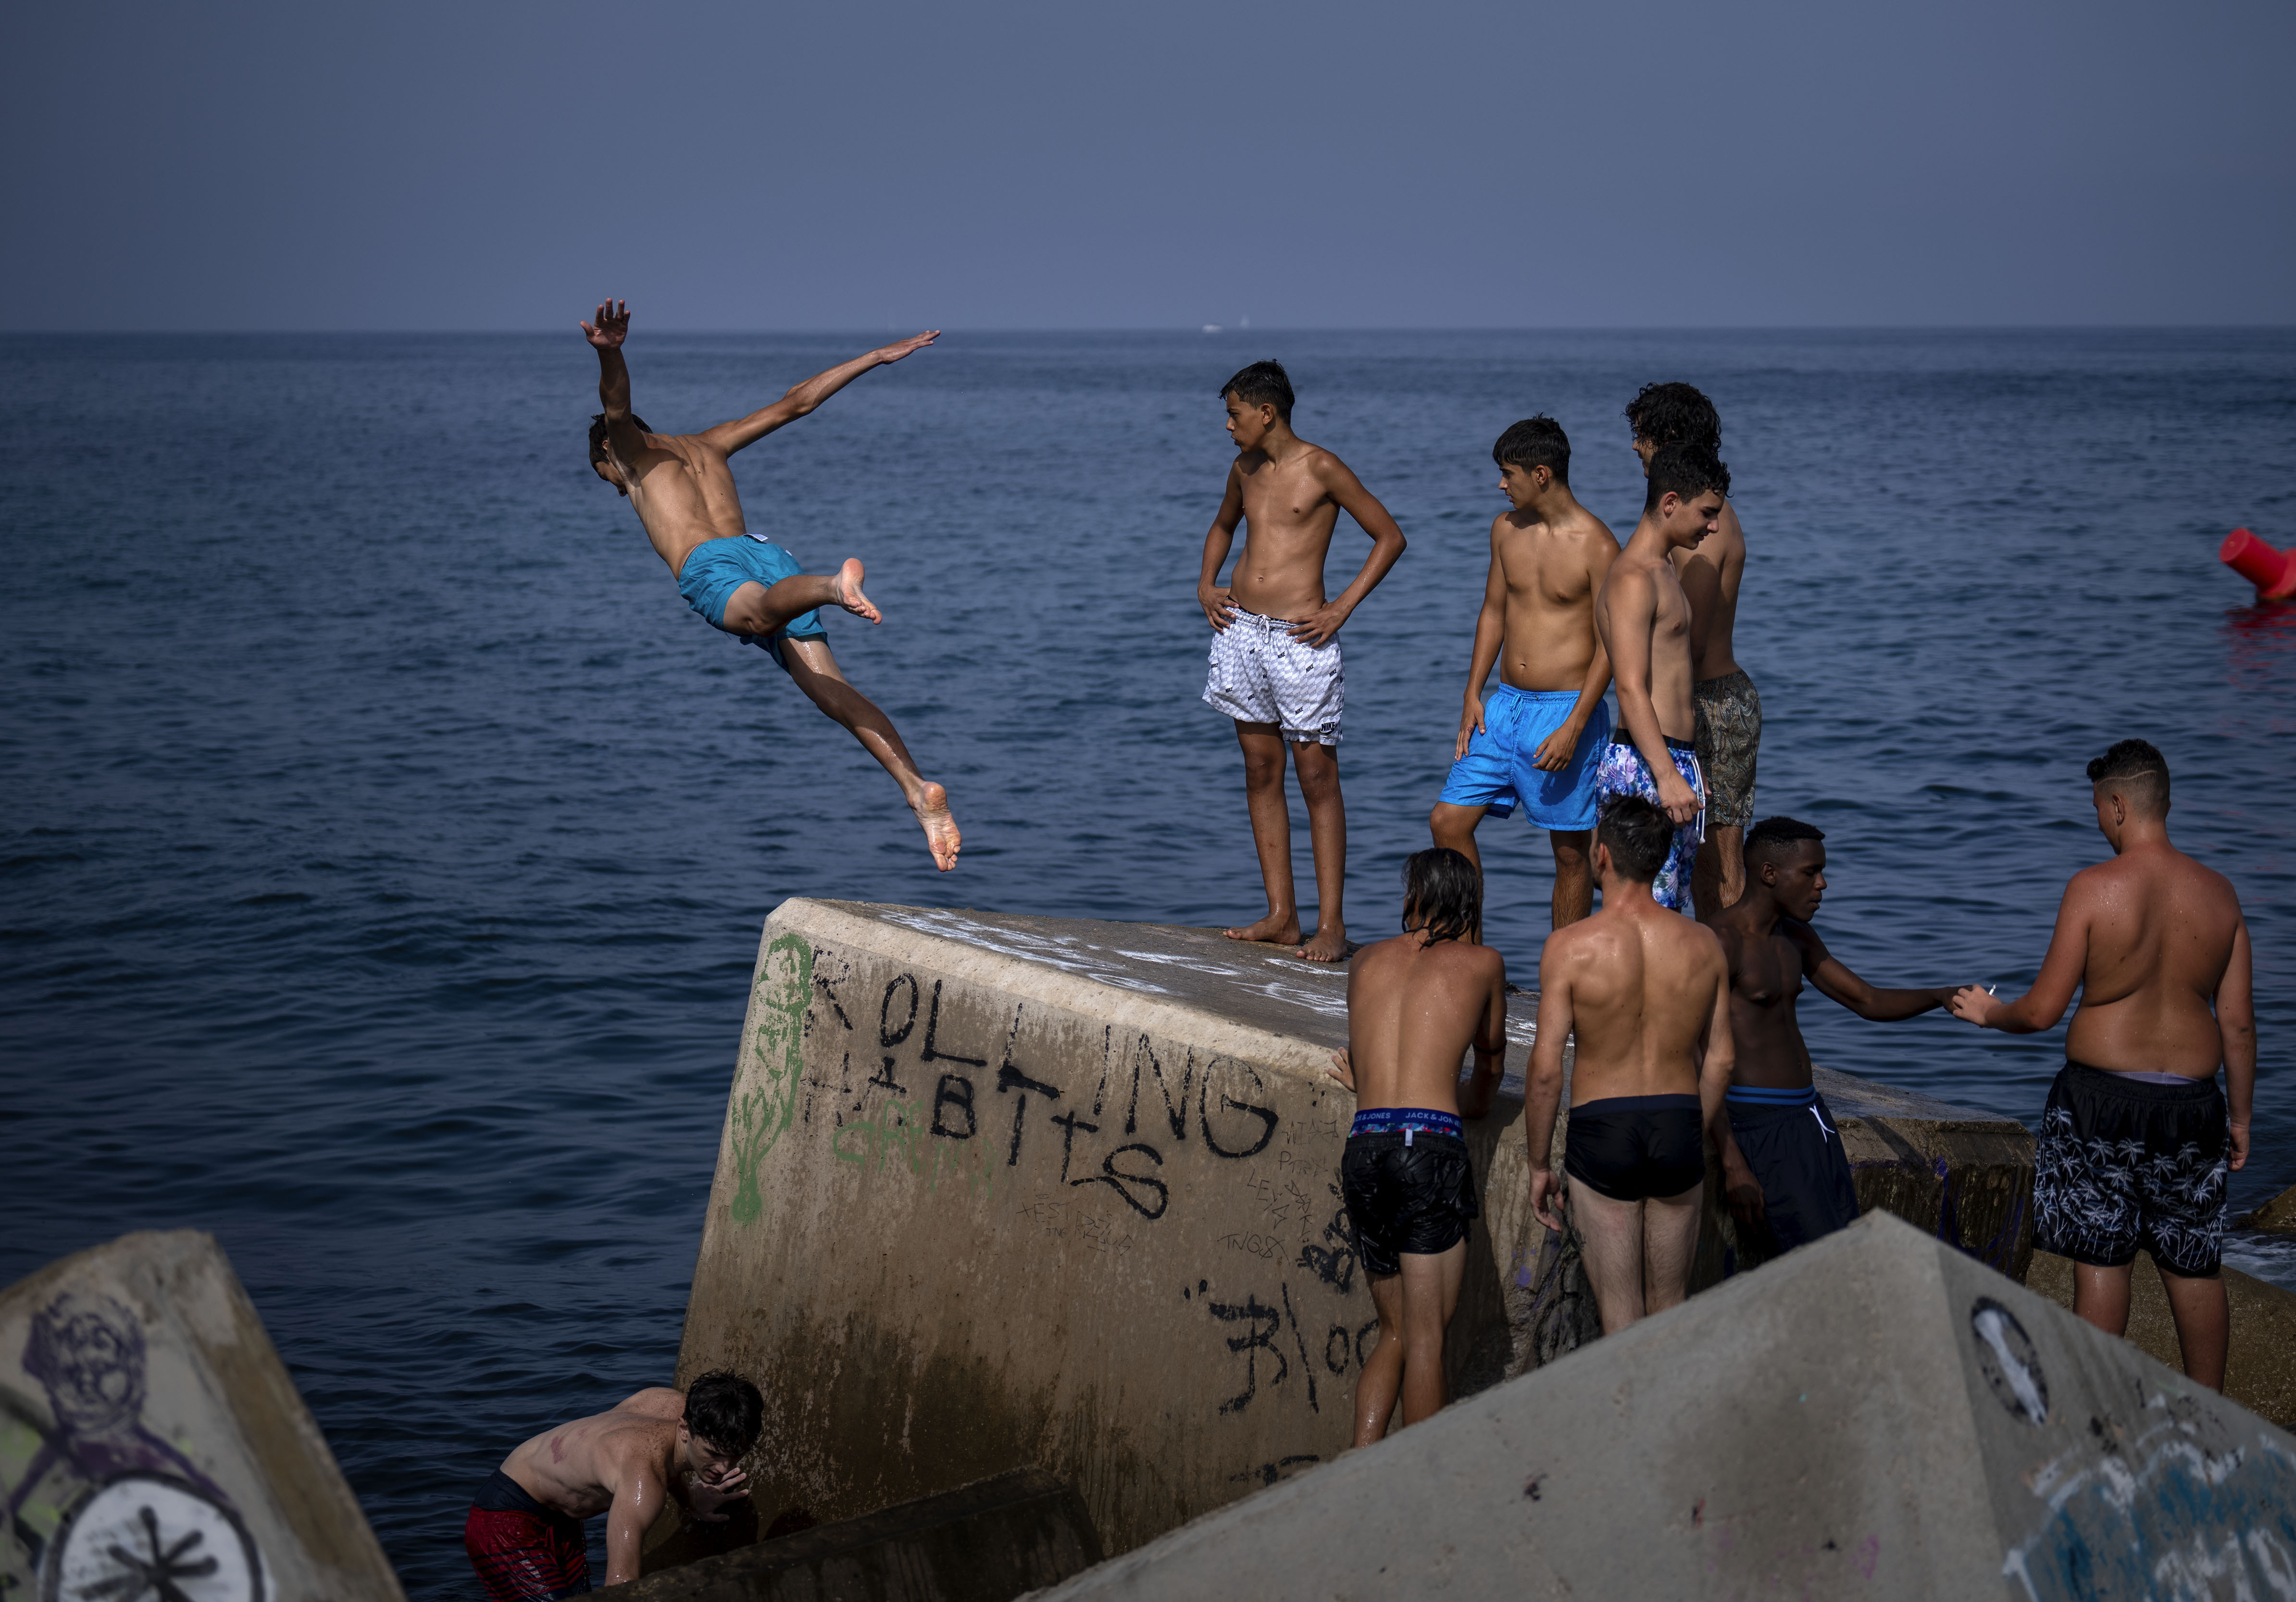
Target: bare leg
[2101, 1297]
[1612, 1234]
[756, 610]
[1718, 875]
[2203, 1315]
[1453, 826]
[1574, 874]
[1327, 829]
[1382, 1371]
[1669, 1246]
[816, 672]
[1271, 832]
[1430, 1296]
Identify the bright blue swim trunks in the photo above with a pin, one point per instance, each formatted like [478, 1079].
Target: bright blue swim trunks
[1495, 773]
[715, 569]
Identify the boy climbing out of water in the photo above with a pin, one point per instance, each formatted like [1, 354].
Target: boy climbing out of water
[1537, 740]
[524, 1530]
[1643, 618]
[1275, 653]
[1416, 1004]
[682, 486]
[1647, 995]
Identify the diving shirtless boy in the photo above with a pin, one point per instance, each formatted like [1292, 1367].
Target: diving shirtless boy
[1648, 995]
[743, 582]
[2136, 1139]
[524, 1532]
[1729, 708]
[1784, 1173]
[1643, 618]
[1416, 1004]
[1540, 736]
[1276, 655]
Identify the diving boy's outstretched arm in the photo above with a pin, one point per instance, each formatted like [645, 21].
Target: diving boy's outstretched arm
[803, 398]
[606, 336]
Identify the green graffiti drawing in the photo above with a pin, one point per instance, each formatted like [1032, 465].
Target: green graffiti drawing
[765, 1093]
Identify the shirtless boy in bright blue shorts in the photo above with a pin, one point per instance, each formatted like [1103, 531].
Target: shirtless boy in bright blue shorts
[743, 583]
[1537, 740]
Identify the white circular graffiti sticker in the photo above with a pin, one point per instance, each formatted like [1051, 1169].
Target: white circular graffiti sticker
[144, 1538]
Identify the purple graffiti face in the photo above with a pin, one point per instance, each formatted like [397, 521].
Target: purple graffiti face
[88, 1351]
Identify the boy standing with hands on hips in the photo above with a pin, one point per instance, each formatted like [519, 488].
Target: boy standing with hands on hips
[1275, 658]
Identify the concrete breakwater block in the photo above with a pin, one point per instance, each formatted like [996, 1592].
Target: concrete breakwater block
[1874, 1415]
[2260, 1366]
[996, 1190]
[987, 1543]
[152, 1448]
[2278, 1215]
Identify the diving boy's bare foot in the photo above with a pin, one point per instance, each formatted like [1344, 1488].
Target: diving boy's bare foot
[1276, 929]
[850, 597]
[932, 807]
[1328, 943]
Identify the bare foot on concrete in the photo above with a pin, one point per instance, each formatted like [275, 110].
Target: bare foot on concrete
[1328, 943]
[932, 807]
[1277, 929]
[850, 597]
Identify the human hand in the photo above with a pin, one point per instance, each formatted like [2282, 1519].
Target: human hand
[1675, 798]
[1342, 1070]
[1545, 1192]
[1743, 1193]
[888, 353]
[1975, 1006]
[612, 327]
[1219, 606]
[1471, 723]
[1320, 625]
[707, 1497]
[1555, 751]
[2239, 1157]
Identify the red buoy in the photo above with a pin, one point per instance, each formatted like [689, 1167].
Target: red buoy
[2272, 571]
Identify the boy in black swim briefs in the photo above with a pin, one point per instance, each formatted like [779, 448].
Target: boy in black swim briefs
[1416, 1004]
[1647, 994]
[2136, 1139]
[1785, 1175]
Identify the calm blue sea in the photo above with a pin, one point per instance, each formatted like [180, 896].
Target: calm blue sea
[385, 845]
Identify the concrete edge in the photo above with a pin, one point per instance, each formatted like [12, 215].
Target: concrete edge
[1016, 976]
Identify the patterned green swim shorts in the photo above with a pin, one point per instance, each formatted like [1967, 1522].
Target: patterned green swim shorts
[1729, 734]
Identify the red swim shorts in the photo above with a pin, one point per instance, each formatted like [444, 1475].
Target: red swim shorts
[522, 1551]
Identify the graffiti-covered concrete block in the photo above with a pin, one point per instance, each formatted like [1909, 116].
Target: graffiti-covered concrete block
[1875, 1414]
[152, 1448]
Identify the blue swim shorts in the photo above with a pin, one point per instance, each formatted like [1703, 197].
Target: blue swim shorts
[1495, 773]
[715, 569]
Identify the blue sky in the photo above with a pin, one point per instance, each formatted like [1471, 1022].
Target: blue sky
[765, 166]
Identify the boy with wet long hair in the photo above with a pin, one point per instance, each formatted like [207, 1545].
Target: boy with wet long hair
[1416, 1004]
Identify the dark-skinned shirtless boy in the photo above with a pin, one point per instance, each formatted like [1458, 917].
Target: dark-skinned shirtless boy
[1416, 1004]
[2136, 1139]
[682, 487]
[1274, 663]
[1729, 708]
[1538, 738]
[1646, 993]
[1643, 618]
[524, 1532]
[1785, 1173]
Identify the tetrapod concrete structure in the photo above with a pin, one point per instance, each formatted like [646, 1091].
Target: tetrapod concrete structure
[1875, 1414]
[996, 1190]
[152, 1447]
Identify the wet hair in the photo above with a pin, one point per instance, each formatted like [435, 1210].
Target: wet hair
[1535, 442]
[1262, 384]
[2137, 770]
[724, 1412]
[1687, 469]
[1663, 414]
[1778, 836]
[598, 433]
[1445, 890]
[1639, 837]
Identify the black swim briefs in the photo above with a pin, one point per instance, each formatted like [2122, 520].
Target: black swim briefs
[1788, 1138]
[1415, 1198]
[1633, 1148]
[2122, 1164]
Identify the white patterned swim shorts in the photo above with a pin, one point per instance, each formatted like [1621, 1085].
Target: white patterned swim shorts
[1261, 674]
